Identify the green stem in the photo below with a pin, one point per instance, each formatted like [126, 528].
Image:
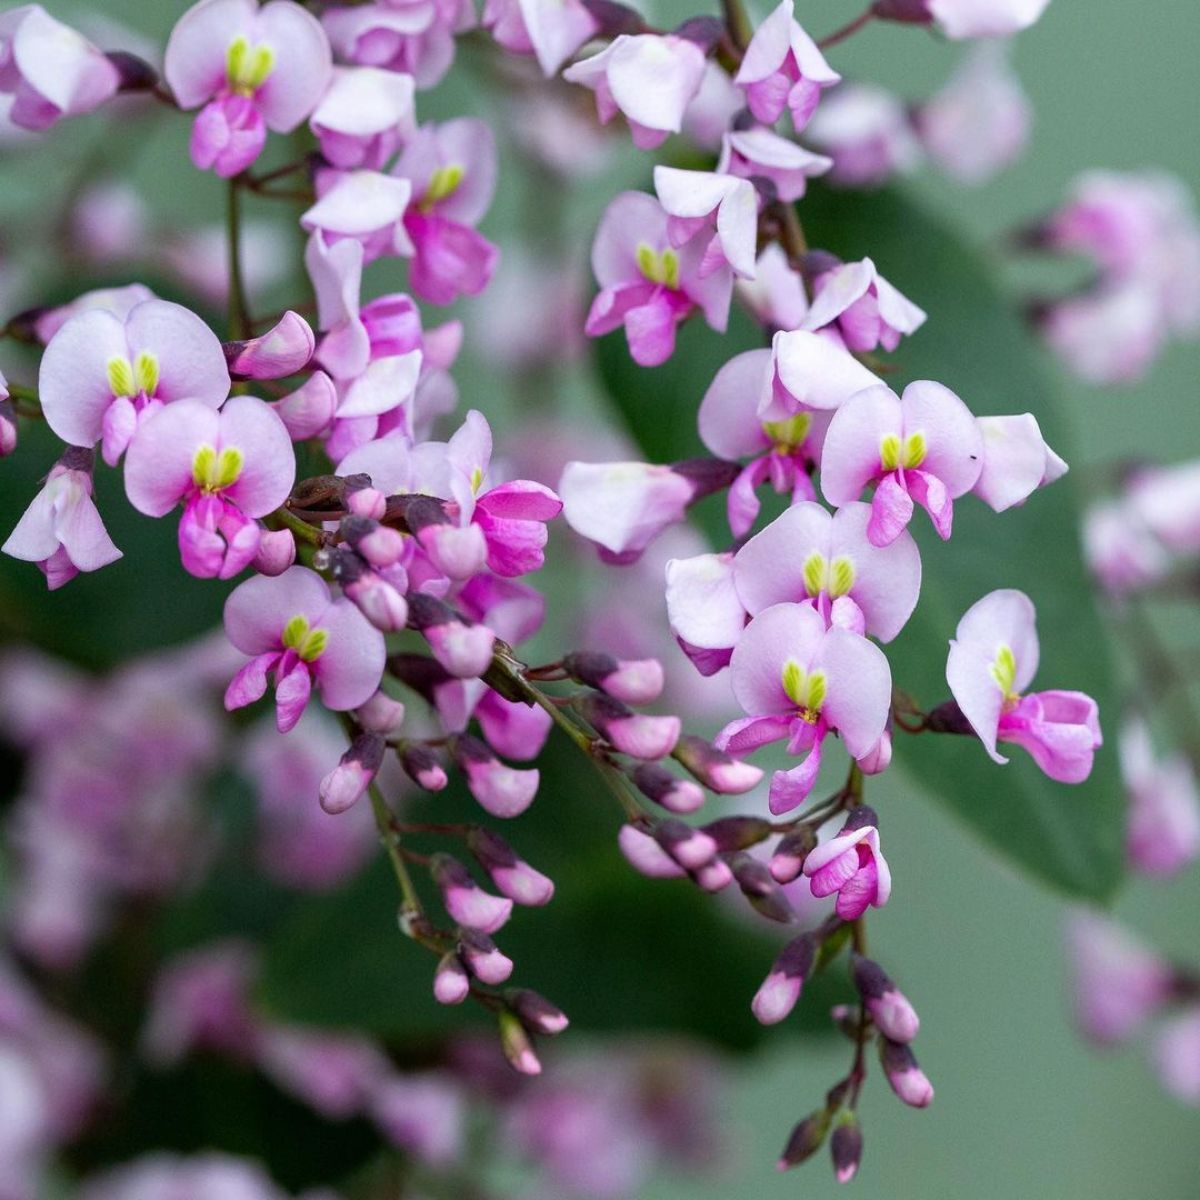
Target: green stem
[391, 843]
[283, 517]
[240, 324]
[737, 22]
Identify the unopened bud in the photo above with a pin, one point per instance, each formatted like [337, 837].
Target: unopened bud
[308, 411]
[846, 1147]
[464, 650]
[636, 681]
[451, 983]
[280, 351]
[636, 734]
[353, 774]
[466, 902]
[718, 771]
[737, 833]
[536, 1013]
[423, 767]
[781, 989]
[879, 757]
[483, 958]
[904, 1074]
[690, 848]
[378, 601]
[646, 856]
[674, 794]
[759, 888]
[806, 1139]
[380, 714]
[791, 850]
[502, 790]
[714, 876]
[512, 876]
[8, 423]
[458, 551]
[518, 1049]
[887, 1004]
[380, 545]
[276, 551]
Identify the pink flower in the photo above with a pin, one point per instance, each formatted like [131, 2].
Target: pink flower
[799, 680]
[851, 865]
[49, 69]
[364, 117]
[647, 284]
[776, 296]
[293, 627]
[650, 78]
[61, 530]
[253, 69]
[103, 374]
[978, 123]
[783, 68]
[865, 309]
[1162, 831]
[283, 350]
[552, 30]
[1016, 461]
[335, 1074]
[812, 371]
[759, 153]
[866, 131]
[925, 447]
[119, 301]
[703, 607]
[828, 561]
[1167, 499]
[1177, 1056]
[367, 206]
[959, 19]
[452, 172]
[1120, 550]
[227, 468]
[1116, 982]
[720, 209]
[993, 658]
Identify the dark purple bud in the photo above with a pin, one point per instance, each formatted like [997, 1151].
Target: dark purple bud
[846, 1147]
[759, 888]
[690, 848]
[353, 774]
[948, 718]
[536, 1013]
[674, 794]
[781, 989]
[791, 850]
[423, 767]
[860, 818]
[904, 1074]
[135, 74]
[451, 983]
[483, 958]
[634, 681]
[807, 1138]
[705, 32]
[887, 1004]
[910, 12]
[8, 426]
[512, 876]
[737, 833]
[717, 770]
[636, 734]
[614, 19]
[707, 475]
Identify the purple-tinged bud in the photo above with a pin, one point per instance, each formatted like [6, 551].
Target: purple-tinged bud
[279, 352]
[635, 681]
[756, 884]
[906, 1078]
[466, 902]
[635, 734]
[646, 856]
[380, 714]
[464, 650]
[351, 777]
[714, 876]
[518, 1049]
[512, 876]
[483, 958]
[806, 1139]
[879, 757]
[790, 852]
[846, 1018]
[949, 718]
[368, 502]
[846, 1147]
[721, 772]
[781, 989]
[502, 790]
[913, 12]
[380, 545]
[458, 551]
[674, 794]
[737, 833]
[276, 552]
[378, 601]
[535, 1012]
[691, 848]
[887, 1004]
[451, 983]
[308, 411]
[8, 423]
[423, 767]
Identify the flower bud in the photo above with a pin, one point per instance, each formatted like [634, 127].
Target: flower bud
[790, 852]
[636, 681]
[483, 958]
[276, 552]
[451, 983]
[764, 894]
[280, 351]
[806, 1139]
[635, 734]
[367, 502]
[308, 411]
[846, 1018]
[690, 848]
[888, 1006]
[781, 989]
[535, 1012]
[502, 790]
[904, 1075]
[879, 757]
[351, 777]
[646, 856]
[465, 901]
[714, 876]
[674, 794]
[718, 771]
[464, 650]
[378, 601]
[8, 423]
[846, 1147]
[512, 876]
[458, 551]
[380, 714]
[423, 767]
[518, 1049]
[737, 833]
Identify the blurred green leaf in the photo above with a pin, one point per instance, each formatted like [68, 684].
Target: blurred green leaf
[974, 342]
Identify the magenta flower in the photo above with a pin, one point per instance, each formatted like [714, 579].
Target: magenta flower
[452, 171]
[49, 69]
[252, 69]
[993, 658]
[102, 374]
[650, 78]
[364, 117]
[227, 468]
[783, 68]
[551, 30]
[761, 153]
[720, 209]
[61, 530]
[295, 629]
[1016, 461]
[866, 310]
[851, 865]
[799, 680]
[925, 447]
[646, 283]
[828, 561]
[1162, 830]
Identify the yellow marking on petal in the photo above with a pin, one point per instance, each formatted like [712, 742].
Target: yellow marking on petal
[211, 472]
[805, 690]
[914, 451]
[1004, 672]
[792, 678]
[204, 466]
[235, 58]
[229, 467]
[659, 267]
[816, 573]
[313, 646]
[841, 576]
[476, 479]
[889, 451]
[817, 688]
[248, 67]
[145, 373]
[294, 632]
[788, 433]
[442, 183]
[121, 376]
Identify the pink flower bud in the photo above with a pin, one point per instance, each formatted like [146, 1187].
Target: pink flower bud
[465, 901]
[378, 601]
[790, 852]
[351, 777]
[645, 855]
[904, 1075]
[457, 551]
[308, 411]
[846, 1147]
[757, 885]
[781, 989]
[638, 681]
[451, 983]
[8, 423]
[535, 1012]
[512, 876]
[279, 352]
[690, 848]
[805, 1140]
[674, 794]
[423, 767]
[367, 502]
[721, 772]
[380, 714]
[482, 958]
[502, 790]
[464, 650]
[879, 758]
[517, 1047]
[276, 551]
[888, 1006]
[714, 876]
[635, 734]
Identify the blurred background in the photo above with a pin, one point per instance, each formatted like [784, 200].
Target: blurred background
[1022, 1106]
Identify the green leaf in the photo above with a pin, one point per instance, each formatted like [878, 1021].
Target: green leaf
[1068, 837]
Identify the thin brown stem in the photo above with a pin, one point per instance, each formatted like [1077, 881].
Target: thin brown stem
[847, 30]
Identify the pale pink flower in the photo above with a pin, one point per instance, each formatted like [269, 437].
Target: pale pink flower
[365, 116]
[1016, 461]
[1177, 1056]
[721, 210]
[760, 153]
[776, 296]
[851, 865]
[363, 205]
[551, 30]
[867, 311]
[867, 133]
[1162, 830]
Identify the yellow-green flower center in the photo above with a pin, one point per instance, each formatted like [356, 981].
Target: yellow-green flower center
[476, 480]
[659, 266]
[1004, 672]
[442, 183]
[805, 689]
[247, 66]
[137, 378]
[211, 472]
[308, 643]
[788, 433]
[821, 575]
[908, 453]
